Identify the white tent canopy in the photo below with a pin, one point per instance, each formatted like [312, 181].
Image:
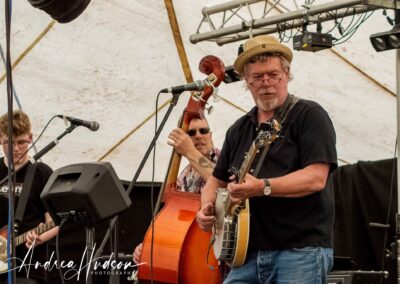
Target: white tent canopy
[109, 64]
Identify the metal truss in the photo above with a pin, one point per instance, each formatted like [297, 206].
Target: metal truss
[236, 20]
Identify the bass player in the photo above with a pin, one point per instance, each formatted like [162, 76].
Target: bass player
[196, 145]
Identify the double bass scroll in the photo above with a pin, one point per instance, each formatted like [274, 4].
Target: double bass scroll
[215, 69]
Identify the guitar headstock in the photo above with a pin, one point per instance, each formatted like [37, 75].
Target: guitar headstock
[269, 132]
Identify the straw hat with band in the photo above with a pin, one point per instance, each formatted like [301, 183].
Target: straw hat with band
[258, 45]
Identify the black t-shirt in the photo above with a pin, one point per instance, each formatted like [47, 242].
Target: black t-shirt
[34, 212]
[278, 223]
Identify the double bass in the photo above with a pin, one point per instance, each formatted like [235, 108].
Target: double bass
[179, 251]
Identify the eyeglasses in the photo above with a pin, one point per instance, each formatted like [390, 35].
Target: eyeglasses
[204, 130]
[258, 79]
[19, 143]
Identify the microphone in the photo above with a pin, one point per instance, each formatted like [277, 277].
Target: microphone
[92, 125]
[194, 86]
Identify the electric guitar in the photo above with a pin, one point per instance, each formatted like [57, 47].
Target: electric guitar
[230, 234]
[18, 241]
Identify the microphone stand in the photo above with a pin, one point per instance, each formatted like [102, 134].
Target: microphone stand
[397, 235]
[174, 101]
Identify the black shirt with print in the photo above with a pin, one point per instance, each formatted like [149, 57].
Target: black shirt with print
[33, 215]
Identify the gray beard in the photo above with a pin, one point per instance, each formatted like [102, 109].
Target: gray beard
[267, 106]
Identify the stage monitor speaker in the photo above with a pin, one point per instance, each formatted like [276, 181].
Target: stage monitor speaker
[85, 193]
[132, 226]
[358, 277]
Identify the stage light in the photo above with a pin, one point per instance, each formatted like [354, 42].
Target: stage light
[63, 11]
[386, 40]
[394, 41]
[309, 41]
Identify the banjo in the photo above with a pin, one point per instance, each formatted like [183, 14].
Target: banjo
[230, 233]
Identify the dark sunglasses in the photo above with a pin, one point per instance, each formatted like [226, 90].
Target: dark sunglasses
[204, 130]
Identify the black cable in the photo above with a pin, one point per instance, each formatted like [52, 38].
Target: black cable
[340, 27]
[319, 27]
[333, 15]
[291, 33]
[361, 19]
[390, 20]
[63, 221]
[37, 139]
[11, 234]
[153, 213]
[350, 24]
[342, 31]
[15, 96]
[282, 33]
[111, 240]
[354, 28]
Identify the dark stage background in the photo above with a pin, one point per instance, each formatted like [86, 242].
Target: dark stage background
[364, 192]
[362, 195]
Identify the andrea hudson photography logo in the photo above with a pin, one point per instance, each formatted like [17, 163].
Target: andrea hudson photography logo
[87, 265]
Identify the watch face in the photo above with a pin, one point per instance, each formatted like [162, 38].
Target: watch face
[267, 187]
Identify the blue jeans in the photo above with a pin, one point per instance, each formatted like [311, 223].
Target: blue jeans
[309, 265]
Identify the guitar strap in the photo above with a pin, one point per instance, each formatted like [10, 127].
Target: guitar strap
[280, 115]
[282, 112]
[25, 193]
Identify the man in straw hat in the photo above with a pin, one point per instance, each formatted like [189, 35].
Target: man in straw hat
[291, 210]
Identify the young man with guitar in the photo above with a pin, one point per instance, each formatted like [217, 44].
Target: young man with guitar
[288, 238]
[35, 213]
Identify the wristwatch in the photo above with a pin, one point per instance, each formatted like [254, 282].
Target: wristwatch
[267, 187]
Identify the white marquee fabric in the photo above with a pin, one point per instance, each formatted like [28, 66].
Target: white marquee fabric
[109, 64]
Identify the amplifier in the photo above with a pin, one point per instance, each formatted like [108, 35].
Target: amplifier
[358, 277]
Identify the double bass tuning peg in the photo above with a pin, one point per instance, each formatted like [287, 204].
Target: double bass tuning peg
[196, 96]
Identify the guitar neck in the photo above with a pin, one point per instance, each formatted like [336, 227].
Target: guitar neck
[38, 230]
[245, 167]
[269, 132]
